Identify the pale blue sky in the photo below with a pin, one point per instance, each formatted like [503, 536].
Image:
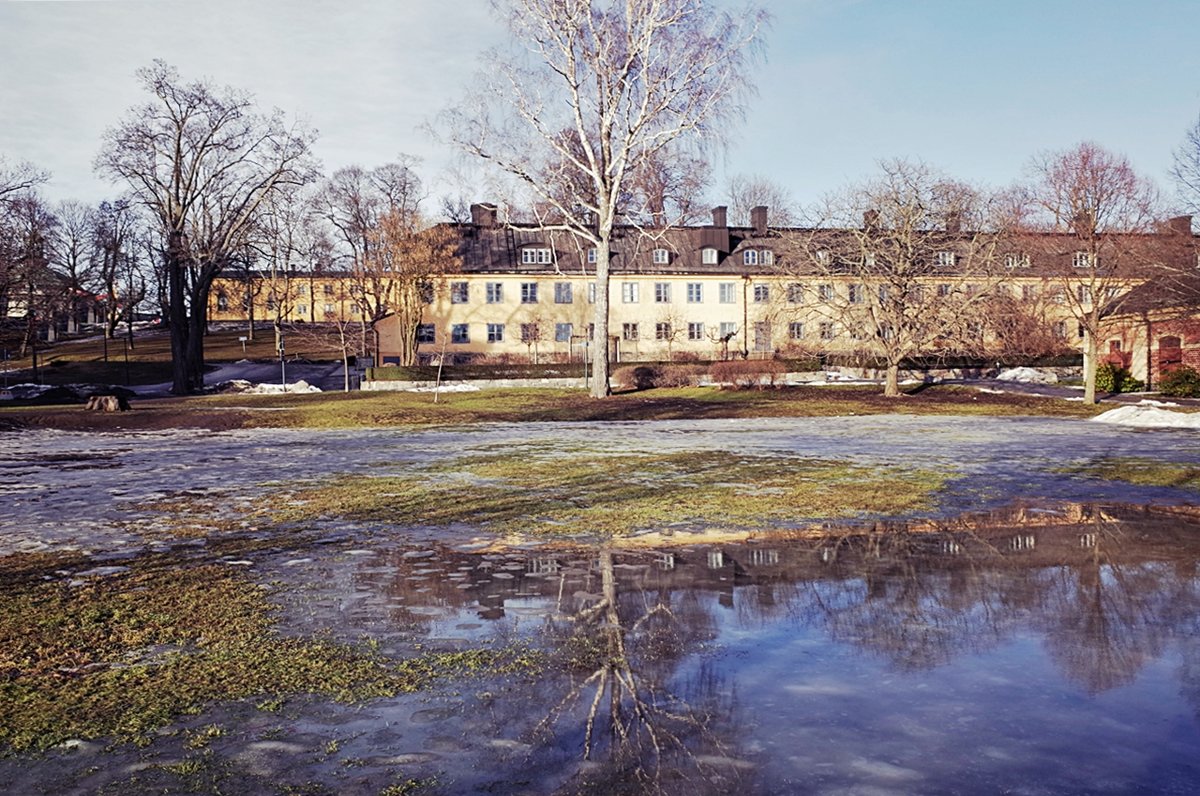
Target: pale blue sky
[975, 88]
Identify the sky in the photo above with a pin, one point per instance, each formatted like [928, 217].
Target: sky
[975, 88]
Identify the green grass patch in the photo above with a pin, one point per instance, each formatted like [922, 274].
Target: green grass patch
[1141, 472]
[615, 495]
[124, 655]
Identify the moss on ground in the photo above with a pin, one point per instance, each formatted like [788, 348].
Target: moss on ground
[615, 495]
[126, 654]
[1141, 472]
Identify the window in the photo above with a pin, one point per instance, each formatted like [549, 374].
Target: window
[1060, 330]
[1016, 260]
[827, 331]
[426, 333]
[629, 331]
[825, 292]
[695, 331]
[767, 257]
[1029, 292]
[562, 292]
[629, 292]
[869, 260]
[750, 257]
[460, 333]
[727, 292]
[943, 290]
[728, 330]
[222, 301]
[661, 257]
[495, 292]
[762, 336]
[708, 256]
[329, 310]
[887, 332]
[271, 304]
[1082, 260]
[884, 294]
[458, 292]
[301, 309]
[762, 293]
[1084, 294]
[530, 333]
[796, 330]
[795, 293]
[856, 294]
[695, 292]
[662, 292]
[535, 256]
[328, 290]
[591, 332]
[529, 293]
[591, 255]
[1059, 296]
[562, 332]
[425, 288]
[591, 292]
[495, 332]
[302, 290]
[662, 331]
[354, 290]
[945, 259]
[857, 333]
[824, 257]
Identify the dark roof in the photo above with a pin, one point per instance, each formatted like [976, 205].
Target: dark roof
[1174, 290]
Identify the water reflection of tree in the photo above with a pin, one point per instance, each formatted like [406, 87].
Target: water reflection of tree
[623, 650]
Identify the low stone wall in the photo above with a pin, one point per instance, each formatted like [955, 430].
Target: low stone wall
[481, 384]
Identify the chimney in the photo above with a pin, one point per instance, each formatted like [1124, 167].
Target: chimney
[758, 219]
[483, 215]
[1180, 225]
[954, 221]
[720, 216]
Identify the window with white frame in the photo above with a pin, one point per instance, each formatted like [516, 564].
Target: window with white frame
[562, 332]
[827, 330]
[662, 257]
[662, 292]
[762, 293]
[629, 292]
[529, 293]
[426, 333]
[869, 260]
[1084, 294]
[1083, 260]
[795, 293]
[301, 309]
[695, 292]
[727, 292]
[884, 293]
[762, 336]
[329, 309]
[495, 332]
[750, 257]
[708, 256]
[945, 259]
[1016, 260]
[562, 292]
[662, 330]
[856, 294]
[591, 292]
[1029, 292]
[494, 292]
[591, 255]
[629, 331]
[459, 292]
[302, 290]
[824, 257]
[696, 331]
[943, 290]
[767, 257]
[460, 333]
[796, 330]
[727, 330]
[825, 292]
[536, 256]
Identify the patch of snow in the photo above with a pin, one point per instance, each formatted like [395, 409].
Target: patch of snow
[990, 391]
[250, 388]
[1149, 417]
[446, 388]
[1028, 376]
[1152, 402]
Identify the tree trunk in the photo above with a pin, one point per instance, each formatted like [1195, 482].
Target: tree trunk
[891, 382]
[600, 369]
[180, 380]
[1089, 367]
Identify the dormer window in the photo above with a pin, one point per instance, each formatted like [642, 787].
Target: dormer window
[750, 257]
[536, 256]
[591, 255]
[824, 257]
[1083, 260]
[661, 257]
[945, 259]
[1016, 260]
[767, 257]
[708, 256]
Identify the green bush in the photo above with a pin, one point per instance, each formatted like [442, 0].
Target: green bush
[1180, 382]
[1113, 378]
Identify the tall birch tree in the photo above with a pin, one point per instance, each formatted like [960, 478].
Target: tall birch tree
[593, 92]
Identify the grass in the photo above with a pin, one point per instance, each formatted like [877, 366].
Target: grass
[613, 495]
[124, 655]
[1140, 472]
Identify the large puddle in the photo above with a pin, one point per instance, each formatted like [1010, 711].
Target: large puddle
[1043, 639]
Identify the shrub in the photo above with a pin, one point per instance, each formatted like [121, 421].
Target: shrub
[1113, 378]
[747, 372]
[679, 376]
[636, 377]
[1180, 382]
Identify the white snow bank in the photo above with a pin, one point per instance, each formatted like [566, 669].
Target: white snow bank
[1028, 376]
[1149, 417]
[446, 388]
[249, 388]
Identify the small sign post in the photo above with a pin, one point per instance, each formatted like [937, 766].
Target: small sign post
[242, 340]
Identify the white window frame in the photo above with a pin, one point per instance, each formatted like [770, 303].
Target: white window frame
[661, 257]
[727, 293]
[529, 292]
[662, 292]
[750, 257]
[695, 292]
[495, 333]
[629, 292]
[494, 292]
[945, 259]
[708, 255]
[536, 256]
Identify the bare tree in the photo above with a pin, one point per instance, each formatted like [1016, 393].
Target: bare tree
[114, 236]
[592, 93]
[73, 257]
[1186, 169]
[202, 161]
[748, 192]
[1090, 200]
[27, 282]
[904, 262]
[19, 178]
